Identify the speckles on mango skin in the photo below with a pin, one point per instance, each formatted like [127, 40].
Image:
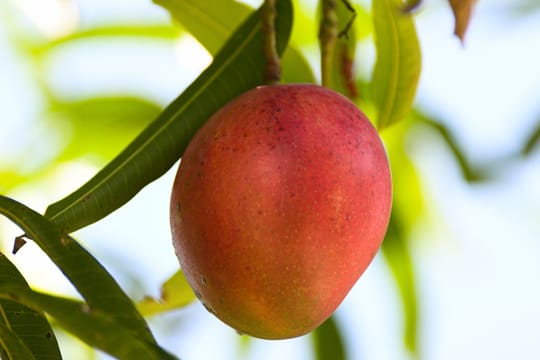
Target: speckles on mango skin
[288, 199]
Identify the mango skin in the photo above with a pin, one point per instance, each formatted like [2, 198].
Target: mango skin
[280, 203]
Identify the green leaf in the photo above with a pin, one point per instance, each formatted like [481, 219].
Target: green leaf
[13, 346]
[88, 120]
[92, 326]
[295, 68]
[532, 142]
[29, 326]
[397, 254]
[175, 293]
[469, 172]
[329, 344]
[462, 10]
[107, 32]
[236, 68]
[398, 64]
[92, 281]
[212, 25]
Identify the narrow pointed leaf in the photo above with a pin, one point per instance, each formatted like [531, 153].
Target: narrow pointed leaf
[175, 293]
[88, 276]
[29, 326]
[92, 326]
[462, 10]
[329, 344]
[237, 67]
[396, 253]
[398, 64]
[13, 346]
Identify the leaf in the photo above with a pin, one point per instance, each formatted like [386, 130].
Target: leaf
[532, 141]
[27, 325]
[462, 10]
[88, 120]
[295, 68]
[329, 344]
[212, 24]
[408, 197]
[398, 64]
[236, 68]
[92, 326]
[396, 253]
[108, 31]
[175, 293]
[92, 281]
[13, 346]
[469, 172]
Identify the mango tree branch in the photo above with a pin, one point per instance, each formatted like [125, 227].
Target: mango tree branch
[328, 33]
[272, 69]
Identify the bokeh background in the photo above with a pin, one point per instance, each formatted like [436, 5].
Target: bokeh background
[80, 78]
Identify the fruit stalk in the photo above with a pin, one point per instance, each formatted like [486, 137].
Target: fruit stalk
[328, 33]
[272, 70]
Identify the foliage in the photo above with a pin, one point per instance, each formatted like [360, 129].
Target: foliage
[106, 318]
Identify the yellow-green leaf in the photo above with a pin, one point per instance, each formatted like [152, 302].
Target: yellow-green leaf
[175, 293]
[398, 65]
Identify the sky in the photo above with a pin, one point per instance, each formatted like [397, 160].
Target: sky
[477, 257]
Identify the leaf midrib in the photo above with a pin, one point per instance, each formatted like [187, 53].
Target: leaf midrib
[165, 125]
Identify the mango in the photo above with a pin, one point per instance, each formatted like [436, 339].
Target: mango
[281, 201]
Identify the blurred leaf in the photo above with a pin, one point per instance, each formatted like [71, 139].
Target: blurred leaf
[14, 348]
[29, 326]
[92, 281]
[295, 68]
[329, 344]
[88, 122]
[532, 141]
[470, 173]
[135, 30]
[9, 178]
[175, 293]
[462, 10]
[398, 65]
[396, 252]
[363, 23]
[407, 208]
[408, 192]
[92, 326]
[162, 143]
[212, 24]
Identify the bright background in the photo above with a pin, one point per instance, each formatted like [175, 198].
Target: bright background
[476, 254]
